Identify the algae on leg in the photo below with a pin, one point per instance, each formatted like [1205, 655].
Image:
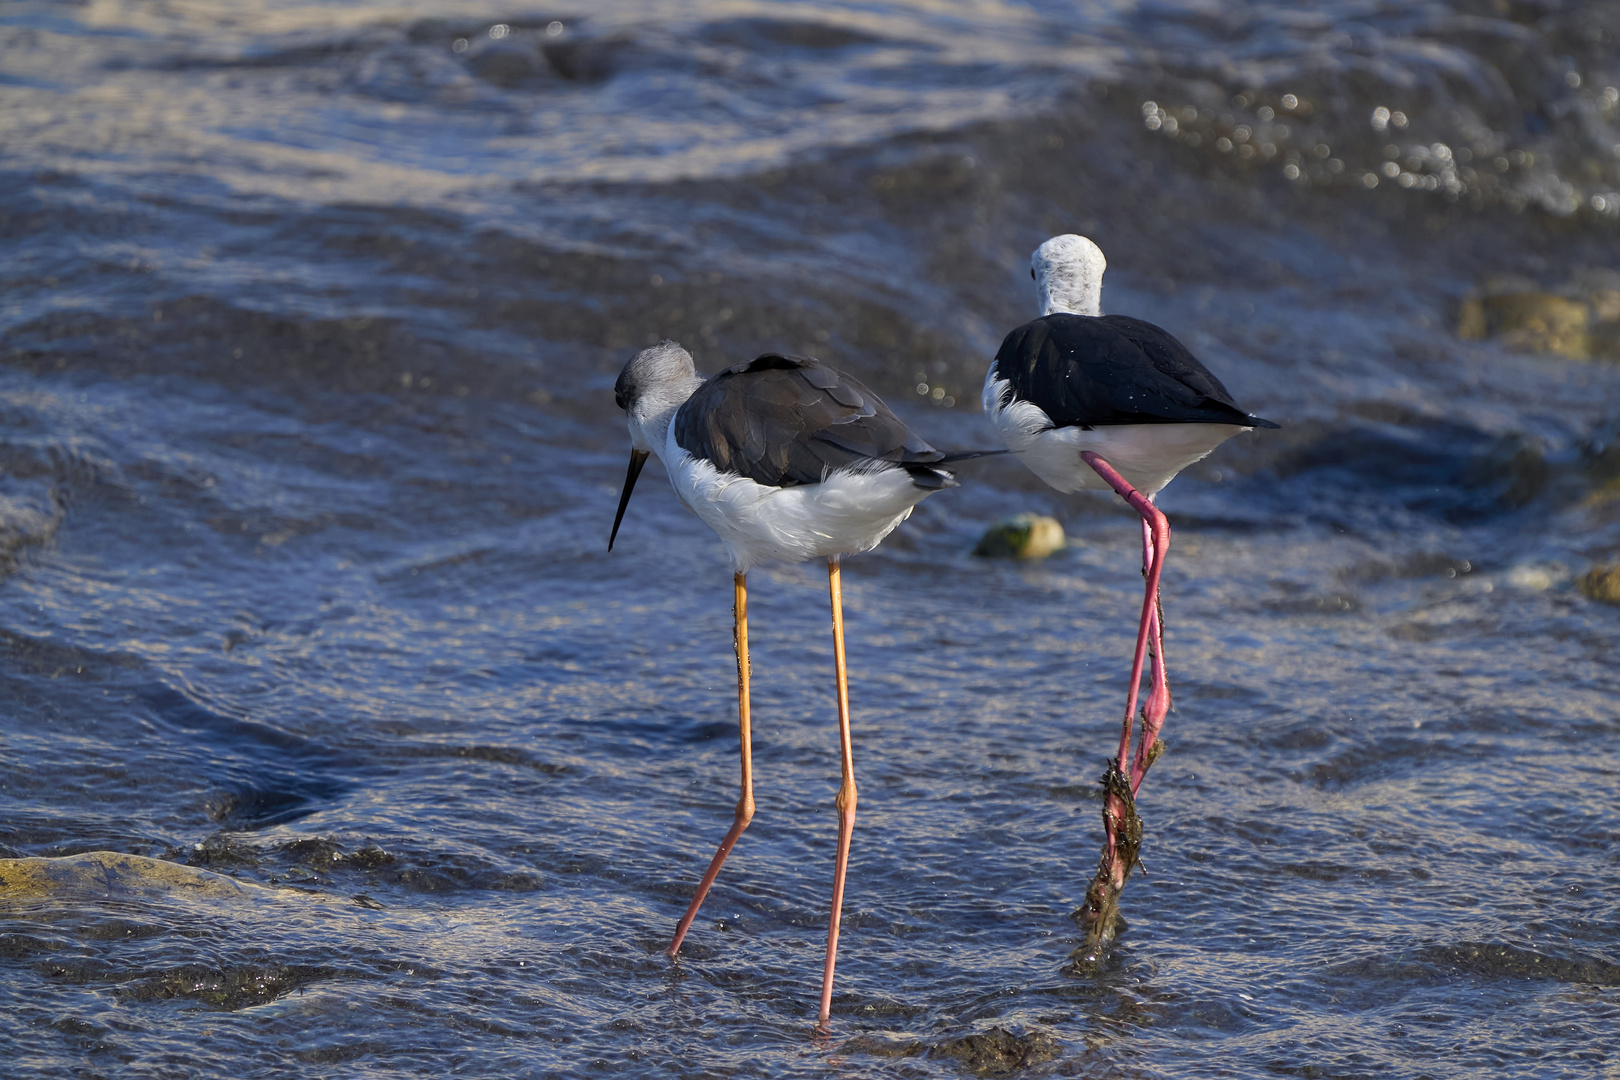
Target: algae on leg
[1099, 915]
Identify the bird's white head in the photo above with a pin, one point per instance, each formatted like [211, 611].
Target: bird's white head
[1068, 272]
[655, 383]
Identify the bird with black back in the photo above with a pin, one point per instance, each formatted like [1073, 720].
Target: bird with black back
[1089, 402]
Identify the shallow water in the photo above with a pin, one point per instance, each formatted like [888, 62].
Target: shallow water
[308, 459]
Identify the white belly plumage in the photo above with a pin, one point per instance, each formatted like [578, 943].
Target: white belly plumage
[1148, 456]
[848, 512]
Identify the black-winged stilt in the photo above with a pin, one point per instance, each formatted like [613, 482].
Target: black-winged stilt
[1089, 400]
[786, 459]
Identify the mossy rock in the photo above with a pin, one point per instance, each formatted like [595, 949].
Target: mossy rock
[1022, 536]
[1579, 319]
[104, 874]
[1602, 583]
[109, 873]
[1529, 322]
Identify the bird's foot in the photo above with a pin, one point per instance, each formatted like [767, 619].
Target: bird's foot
[1099, 915]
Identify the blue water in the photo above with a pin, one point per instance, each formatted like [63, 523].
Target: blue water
[308, 457]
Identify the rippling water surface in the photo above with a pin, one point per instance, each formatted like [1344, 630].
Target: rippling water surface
[308, 457]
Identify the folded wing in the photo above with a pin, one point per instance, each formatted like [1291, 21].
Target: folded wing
[1088, 371]
[787, 420]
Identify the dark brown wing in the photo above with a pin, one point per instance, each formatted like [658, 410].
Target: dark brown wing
[788, 420]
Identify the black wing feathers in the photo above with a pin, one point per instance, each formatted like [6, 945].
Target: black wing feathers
[1086, 371]
[787, 420]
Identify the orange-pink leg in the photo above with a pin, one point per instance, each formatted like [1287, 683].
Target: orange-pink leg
[846, 790]
[745, 802]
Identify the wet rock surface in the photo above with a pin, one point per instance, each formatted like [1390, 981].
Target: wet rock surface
[1602, 583]
[1022, 536]
[998, 1052]
[993, 1052]
[1580, 321]
[107, 873]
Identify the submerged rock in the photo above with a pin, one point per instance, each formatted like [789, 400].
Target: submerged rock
[109, 873]
[1579, 320]
[1528, 322]
[1602, 583]
[229, 987]
[1022, 536]
[103, 874]
[997, 1052]
[993, 1052]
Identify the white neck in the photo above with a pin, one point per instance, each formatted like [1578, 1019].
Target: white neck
[652, 414]
[1076, 302]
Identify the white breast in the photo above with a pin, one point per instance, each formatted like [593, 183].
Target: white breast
[848, 512]
[1148, 456]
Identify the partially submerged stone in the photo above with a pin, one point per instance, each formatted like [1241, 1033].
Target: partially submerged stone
[1602, 583]
[999, 1052]
[1022, 536]
[178, 897]
[993, 1052]
[113, 874]
[1579, 320]
[232, 987]
[1528, 322]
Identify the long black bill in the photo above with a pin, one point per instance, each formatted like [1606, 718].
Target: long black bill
[638, 458]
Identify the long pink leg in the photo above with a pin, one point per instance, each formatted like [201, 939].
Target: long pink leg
[1120, 822]
[1159, 541]
[846, 789]
[1158, 702]
[745, 801]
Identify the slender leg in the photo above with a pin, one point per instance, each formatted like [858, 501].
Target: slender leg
[846, 789]
[745, 801]
[1159, 541]
[1121, 824]
[1158, 702]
